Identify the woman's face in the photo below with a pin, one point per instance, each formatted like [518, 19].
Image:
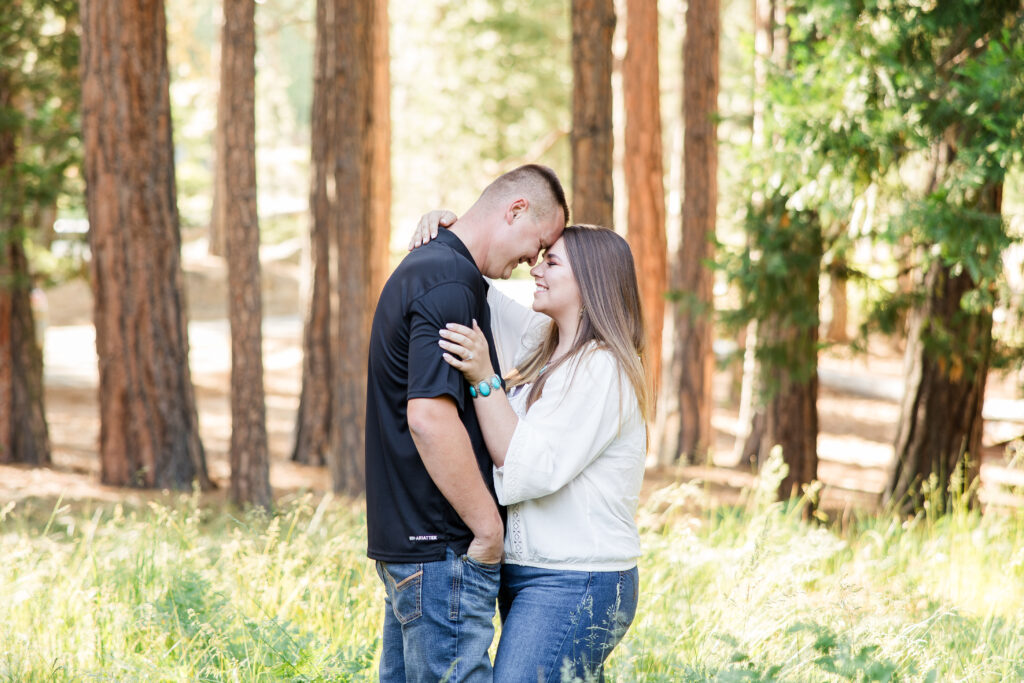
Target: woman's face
[557, 294]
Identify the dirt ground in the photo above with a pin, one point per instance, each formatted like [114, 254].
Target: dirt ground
[855, 441]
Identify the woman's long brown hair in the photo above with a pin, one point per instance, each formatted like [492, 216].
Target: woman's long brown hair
[602, 264]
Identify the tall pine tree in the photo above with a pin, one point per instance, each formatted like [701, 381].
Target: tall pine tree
[149, 432]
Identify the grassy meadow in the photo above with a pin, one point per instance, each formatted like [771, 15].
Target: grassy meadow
[175, 591]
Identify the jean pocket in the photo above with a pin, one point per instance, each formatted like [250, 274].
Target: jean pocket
[627, 599]
[496, 567]
[404, 586]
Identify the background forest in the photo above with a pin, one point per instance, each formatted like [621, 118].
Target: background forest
[199, 200]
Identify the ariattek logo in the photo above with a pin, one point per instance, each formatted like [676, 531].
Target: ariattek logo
[422, 538]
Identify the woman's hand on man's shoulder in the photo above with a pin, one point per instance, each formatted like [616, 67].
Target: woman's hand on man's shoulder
[429, 224]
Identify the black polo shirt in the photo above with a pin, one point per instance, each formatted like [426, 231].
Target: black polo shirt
[407, 517]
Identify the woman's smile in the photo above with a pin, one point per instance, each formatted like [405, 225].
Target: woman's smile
[556, 293]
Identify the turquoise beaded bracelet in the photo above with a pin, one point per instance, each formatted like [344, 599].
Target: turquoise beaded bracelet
[484, 387]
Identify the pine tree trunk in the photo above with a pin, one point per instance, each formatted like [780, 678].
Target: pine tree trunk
[694, 359]
[837, 281]
[148, 423]
[645, 184]
[791, 422]
[938, 439]
[217, 240]
[42, 220]
[362, 147]
[593, 23]
[904, 287]
[249, 454]
[791, 412]
[750, 421]
[939, 433]
[351, 211]
[380, 157]
[6, 369]
[313, 422]
[23, 431]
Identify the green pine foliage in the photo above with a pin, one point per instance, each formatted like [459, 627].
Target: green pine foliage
[868, 91]
[39, 114]
[39, 63]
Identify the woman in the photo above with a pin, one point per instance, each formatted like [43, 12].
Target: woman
[568, 443]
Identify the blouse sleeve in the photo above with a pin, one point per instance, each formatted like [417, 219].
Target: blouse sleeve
[512, 325]
[572, 423]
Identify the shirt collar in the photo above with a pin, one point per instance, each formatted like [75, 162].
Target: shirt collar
[448, 238]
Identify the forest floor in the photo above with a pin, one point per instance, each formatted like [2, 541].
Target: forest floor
[858, 405]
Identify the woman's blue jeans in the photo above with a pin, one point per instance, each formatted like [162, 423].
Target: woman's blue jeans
[557, 620]
[438, 620]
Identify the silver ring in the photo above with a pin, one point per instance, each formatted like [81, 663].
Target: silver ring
[470, 356]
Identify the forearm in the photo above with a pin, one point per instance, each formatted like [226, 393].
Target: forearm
[497, 422]
[466, 349]
[447, 455]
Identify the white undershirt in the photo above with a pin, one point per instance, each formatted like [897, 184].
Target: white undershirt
[573, 470]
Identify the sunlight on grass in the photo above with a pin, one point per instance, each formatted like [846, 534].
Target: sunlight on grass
[753, 593]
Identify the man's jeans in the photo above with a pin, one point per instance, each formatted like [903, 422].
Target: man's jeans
[438, 620]
[555, 621]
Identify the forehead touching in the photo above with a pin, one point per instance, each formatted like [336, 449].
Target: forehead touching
[556, 249]
[551, 231]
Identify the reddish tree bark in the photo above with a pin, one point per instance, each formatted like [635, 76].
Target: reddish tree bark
[249, 454]
[940, 428]
[313, 422]
[693, 359]
[948, 356]
[351, 199]
[790, 382]
[379, 149]
[593, 23]
[645, 185]
[148, 423]
[362, 191]
[23, 432]
[24, 437]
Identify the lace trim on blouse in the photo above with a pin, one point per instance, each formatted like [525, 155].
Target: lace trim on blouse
[515, 528]
[517, 398]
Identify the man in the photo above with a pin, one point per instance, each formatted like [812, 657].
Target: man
[432, 518]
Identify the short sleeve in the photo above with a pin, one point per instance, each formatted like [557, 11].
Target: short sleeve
[429, 375]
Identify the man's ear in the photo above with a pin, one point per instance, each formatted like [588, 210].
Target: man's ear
[516, 208]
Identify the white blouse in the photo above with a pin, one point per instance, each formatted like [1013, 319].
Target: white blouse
[572, 473]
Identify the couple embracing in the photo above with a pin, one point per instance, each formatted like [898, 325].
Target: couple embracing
[505, 445]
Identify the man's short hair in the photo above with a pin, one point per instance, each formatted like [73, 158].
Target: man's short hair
[540, 185]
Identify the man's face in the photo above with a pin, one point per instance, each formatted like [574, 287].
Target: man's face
[520, 241]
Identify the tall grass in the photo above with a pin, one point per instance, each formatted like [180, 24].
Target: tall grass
[757, 594]
[174, 591]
